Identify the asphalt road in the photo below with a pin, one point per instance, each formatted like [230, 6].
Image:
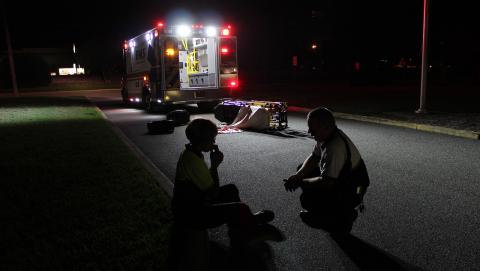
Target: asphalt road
[422, 205]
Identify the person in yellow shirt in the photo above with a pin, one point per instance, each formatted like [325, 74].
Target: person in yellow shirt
[200, 202]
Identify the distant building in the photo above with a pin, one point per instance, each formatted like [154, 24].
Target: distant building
[36, 66]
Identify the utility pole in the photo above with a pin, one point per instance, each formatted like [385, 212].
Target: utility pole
[10, 53]
[423, 80]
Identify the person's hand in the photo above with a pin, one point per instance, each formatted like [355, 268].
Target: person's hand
[216, 157]
[292, 183]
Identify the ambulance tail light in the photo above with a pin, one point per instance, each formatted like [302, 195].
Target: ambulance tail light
[224, 50]
[226, 31]
[233, 83]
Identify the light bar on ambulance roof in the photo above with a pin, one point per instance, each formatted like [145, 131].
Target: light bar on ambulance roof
[184, 31]
[211, 31]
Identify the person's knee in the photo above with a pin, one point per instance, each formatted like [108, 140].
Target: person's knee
[306, 201]
[314, 173]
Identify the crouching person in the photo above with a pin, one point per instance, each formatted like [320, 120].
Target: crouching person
[333, 178]
[200, 203]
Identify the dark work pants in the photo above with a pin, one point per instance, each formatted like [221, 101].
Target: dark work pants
[225, 209]
[321, 201]
[228, 208]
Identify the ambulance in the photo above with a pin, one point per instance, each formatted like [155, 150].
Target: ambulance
[180, 64]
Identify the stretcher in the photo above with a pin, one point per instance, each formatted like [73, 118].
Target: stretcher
[227, 110]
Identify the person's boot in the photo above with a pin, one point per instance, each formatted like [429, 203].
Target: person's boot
[264, 216]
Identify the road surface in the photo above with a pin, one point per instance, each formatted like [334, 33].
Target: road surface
[422, 205]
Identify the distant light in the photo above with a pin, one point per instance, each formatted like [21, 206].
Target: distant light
[53, 74]
[156, 33]
[211, 31]
[132, 100]
[137, 100]
[160, 24]
[314, 46]
[159, 101]
[170, 52]
[224, 50]
[144, 78]
[167, 98]
[184, 31]
[125, 45]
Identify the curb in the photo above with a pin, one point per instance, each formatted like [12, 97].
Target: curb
[404, 124]
[164, 182]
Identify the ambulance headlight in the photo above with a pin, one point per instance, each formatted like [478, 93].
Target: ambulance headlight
[184, 31]
[211, 31]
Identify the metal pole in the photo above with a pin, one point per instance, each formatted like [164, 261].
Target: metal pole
[10, 54]
[423, 80]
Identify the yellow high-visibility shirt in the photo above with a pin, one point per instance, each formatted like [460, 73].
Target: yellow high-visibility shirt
[192, 168]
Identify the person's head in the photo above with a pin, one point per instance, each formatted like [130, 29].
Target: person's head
[321, 123]
[201, 133]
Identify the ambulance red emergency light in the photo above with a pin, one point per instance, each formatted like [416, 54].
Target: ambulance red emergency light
[180, 64]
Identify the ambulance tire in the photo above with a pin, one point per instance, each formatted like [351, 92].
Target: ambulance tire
[146, 99]
[179, 116]
[124, 96]
[207, 107]
[226, 113]
[161, 127]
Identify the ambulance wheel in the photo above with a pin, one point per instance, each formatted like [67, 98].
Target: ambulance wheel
[124, 96]
[147, 101]
[164, 108]
[207, 106]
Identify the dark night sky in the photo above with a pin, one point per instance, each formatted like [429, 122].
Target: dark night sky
[265, 29]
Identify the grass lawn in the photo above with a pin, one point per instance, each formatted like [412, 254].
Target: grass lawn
[72, 195]
[66, 87]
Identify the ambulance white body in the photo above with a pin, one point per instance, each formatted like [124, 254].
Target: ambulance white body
[180, 64]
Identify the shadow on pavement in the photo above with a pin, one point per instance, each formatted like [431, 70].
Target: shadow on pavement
[191, 249]
[257, 257]
[369, 257]
[287, 132]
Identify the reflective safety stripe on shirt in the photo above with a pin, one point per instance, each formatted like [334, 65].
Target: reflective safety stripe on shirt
[333, 153]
